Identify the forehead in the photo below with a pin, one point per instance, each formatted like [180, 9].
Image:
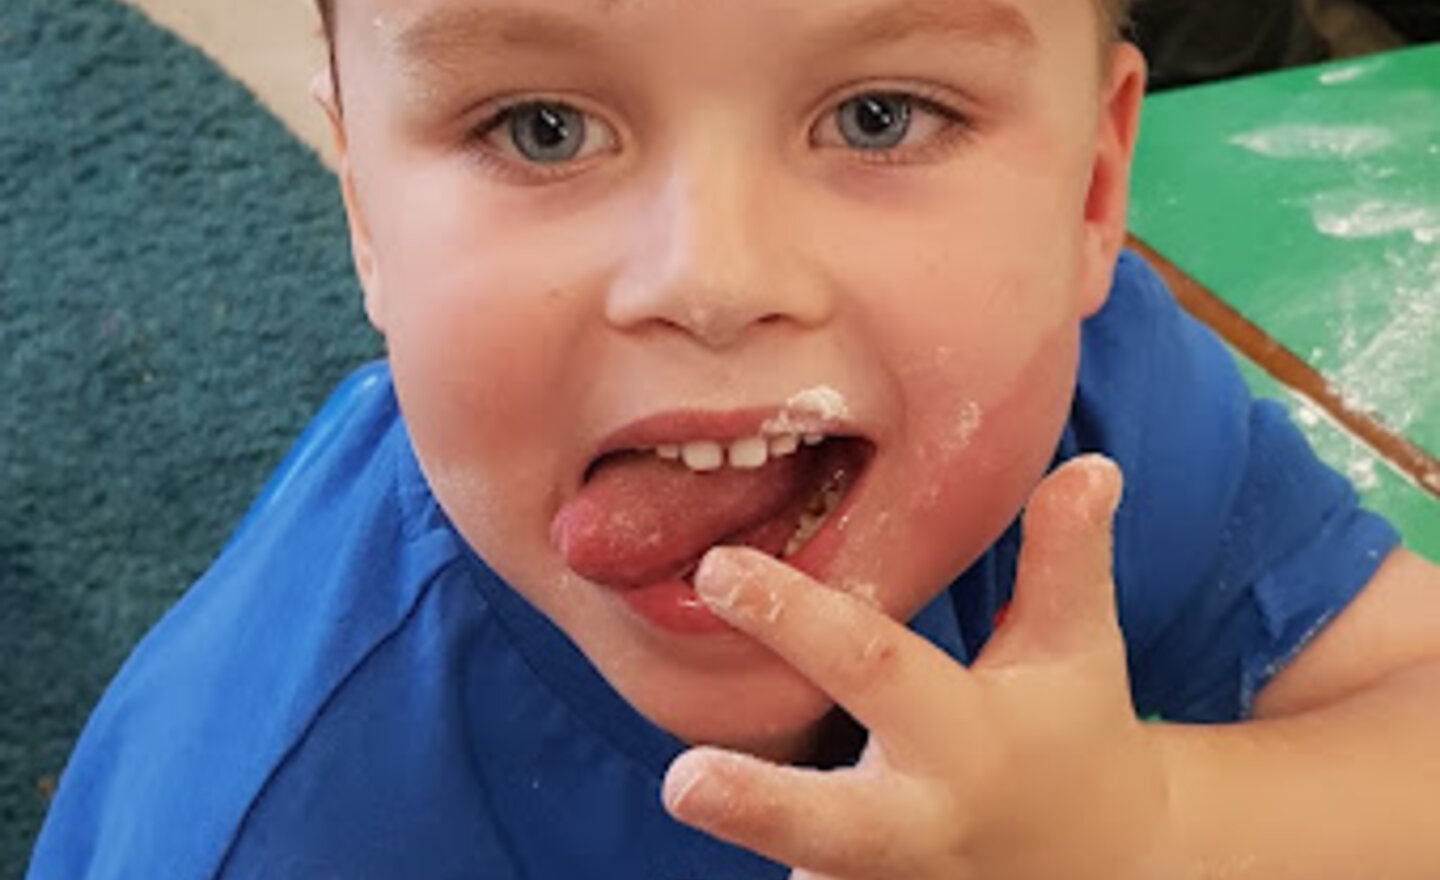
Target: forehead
[433, 46]
[419, 29]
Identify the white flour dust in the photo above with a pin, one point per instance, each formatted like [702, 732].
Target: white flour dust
[1363, 215]
[1343, 451]
[1346, 74]
[864, 590]
[1385, 320]
[1387, 371]
[810, 410]
[968, 422]
[823, 401]
[1316, 141]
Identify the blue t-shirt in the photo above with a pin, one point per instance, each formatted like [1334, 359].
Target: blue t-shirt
[351, 693]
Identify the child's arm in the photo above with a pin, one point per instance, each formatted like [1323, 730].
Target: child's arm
[1340, 777]
[1032, 764]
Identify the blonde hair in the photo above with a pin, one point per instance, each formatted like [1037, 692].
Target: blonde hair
[1114, 16]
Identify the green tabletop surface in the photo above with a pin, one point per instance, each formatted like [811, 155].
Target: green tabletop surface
[1415, 513]
[1309, 201]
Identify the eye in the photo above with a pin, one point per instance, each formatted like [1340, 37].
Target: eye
[886, 123]
[544, 133]
[874, 122]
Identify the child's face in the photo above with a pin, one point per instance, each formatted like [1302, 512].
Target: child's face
[877, 220]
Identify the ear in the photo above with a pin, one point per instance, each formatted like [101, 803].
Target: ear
[325, 94]
[1108, 199]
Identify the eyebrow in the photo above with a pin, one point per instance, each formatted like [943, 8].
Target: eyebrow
[451, 29]
[457, 28]
[989, 22]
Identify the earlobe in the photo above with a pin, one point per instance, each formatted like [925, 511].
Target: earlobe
[1107, 201]
[323, 91]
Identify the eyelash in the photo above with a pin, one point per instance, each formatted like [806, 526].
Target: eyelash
[956, 128]
[518, 171]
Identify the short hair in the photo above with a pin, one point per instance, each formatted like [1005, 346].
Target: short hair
[1114, 17]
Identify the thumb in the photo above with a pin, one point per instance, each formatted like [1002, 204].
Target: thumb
[1064, 590]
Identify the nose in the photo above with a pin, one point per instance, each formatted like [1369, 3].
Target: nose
[711, 256]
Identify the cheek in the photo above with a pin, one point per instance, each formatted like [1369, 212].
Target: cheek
[992, 396]
[480, 313]
[480, 338]
[469, 422]
[468, 379]
[983, 440]
[981, 427]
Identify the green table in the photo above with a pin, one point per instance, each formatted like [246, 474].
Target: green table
[1308, 201]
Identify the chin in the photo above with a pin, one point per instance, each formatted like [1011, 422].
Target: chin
[768, 710]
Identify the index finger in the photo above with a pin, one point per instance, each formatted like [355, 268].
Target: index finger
[890, 679]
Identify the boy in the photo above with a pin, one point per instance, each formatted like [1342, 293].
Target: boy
[828, 281]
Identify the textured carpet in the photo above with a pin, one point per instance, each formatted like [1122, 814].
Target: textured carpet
[175, 299]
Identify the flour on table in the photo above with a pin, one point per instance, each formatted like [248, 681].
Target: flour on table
[1316, 141]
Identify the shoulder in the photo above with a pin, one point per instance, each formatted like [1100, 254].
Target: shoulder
[1234, 543]
[1161, 395]
[1158, 392]
[333, 562]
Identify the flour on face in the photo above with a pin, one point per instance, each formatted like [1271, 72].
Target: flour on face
[809, 411]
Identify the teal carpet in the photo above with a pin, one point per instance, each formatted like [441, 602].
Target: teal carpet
[175, 300]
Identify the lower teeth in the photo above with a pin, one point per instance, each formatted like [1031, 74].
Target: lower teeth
[816, 513]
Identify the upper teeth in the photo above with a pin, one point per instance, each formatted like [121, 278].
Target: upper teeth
[747, 453]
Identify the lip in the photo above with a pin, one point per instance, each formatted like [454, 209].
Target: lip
[683, 426]
[673, 606]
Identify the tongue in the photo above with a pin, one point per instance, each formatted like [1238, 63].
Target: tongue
[640, 520]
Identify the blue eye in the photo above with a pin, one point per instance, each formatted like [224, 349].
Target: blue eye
[539, 140]
[546, 133]
[875, 121]
[893, 127]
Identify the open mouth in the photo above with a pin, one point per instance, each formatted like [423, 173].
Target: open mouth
[648, 515]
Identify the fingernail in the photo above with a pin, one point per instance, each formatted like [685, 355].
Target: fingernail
[719, 578]
[685, 777]
[731, 587]
[1104, 486]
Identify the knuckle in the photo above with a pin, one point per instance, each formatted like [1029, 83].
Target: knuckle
[869, 660]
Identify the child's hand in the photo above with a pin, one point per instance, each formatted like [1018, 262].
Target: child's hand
[1031, 764]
